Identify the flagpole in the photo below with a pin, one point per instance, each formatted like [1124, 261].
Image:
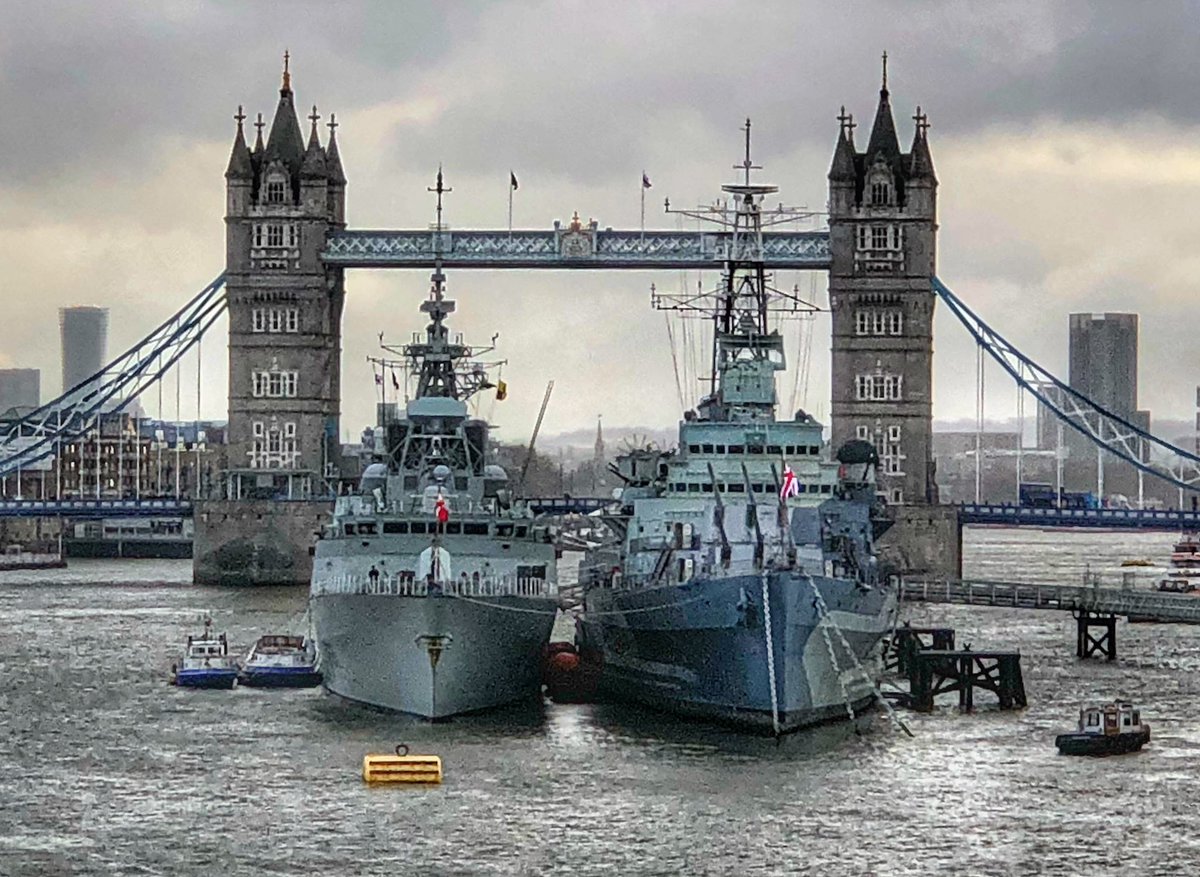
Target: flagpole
[642, 239]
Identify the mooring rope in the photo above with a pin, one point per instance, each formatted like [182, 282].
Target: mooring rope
[770, 652]
[825, 615]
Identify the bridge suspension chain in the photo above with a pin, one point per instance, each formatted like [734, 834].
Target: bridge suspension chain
[1108, 430]
[37, 435]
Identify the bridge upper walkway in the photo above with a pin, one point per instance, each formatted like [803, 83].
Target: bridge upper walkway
[1141, 604]
[586, 247]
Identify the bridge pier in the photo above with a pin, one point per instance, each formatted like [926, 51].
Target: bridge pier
[256, 541]
[1087, 644]
[924, 541]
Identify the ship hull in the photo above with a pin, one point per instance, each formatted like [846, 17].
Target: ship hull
[375, 649]
[700, 649]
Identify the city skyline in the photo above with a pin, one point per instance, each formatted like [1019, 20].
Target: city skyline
[1041, 137]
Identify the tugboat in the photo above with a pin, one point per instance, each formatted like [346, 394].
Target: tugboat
[1112, 729]
[281, 661]
[1186, 554]
[742, 586]
[434, 589]
[206, 662]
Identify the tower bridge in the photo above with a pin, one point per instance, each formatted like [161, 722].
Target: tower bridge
[288, 245]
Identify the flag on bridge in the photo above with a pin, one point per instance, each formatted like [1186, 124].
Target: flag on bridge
[512, 181]
[645, 181]
[790, 487]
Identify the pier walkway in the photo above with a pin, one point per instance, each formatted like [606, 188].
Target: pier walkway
[1140, 604]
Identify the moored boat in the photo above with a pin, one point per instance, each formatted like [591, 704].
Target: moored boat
[280, 661]
[741, 585]
[1109, 729]
[206, 662]
[434, 589]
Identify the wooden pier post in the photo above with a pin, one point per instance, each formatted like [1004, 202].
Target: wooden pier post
[935, 672]
[1087, 644]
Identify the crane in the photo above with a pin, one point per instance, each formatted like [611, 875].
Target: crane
[533, 438]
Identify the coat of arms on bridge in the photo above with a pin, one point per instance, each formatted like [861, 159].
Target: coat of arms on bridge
[577, 241]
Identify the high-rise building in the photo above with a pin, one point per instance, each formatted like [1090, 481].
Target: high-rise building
[883, 239]
[1104, 360]
[84, 333]
[19, 388]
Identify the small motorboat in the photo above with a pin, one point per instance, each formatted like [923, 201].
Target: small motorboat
[1111, 729]
[281, 661]
[206, 662]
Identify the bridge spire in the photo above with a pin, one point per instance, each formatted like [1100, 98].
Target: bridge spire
[287, 76]
[240, 166]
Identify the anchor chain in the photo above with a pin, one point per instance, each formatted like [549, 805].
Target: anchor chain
[823, 609]
[766, 595]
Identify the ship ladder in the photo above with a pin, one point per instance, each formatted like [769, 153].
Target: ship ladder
[823, 609]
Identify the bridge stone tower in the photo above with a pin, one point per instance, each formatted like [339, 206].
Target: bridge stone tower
[285, 312]
[883, 241]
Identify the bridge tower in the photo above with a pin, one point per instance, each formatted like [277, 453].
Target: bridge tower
[883, 242]
[283, 197]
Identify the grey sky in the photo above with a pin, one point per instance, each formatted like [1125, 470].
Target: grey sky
[1063, 138]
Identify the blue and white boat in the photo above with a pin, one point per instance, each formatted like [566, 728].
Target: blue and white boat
[281, 661]
[741, 585]
[206, 662]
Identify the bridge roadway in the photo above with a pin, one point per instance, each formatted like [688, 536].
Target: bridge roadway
[1024, 516]
[1141, 604]
[158, 508]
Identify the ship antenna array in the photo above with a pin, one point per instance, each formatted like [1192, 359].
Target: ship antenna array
[744, 223]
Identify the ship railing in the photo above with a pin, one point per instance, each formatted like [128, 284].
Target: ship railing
[400, 585]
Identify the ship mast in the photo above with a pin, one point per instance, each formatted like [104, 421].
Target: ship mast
[437, 360]
[746, 352]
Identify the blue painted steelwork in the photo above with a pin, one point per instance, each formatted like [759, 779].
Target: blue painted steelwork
[1105, 428]
[572, 247]
[36, 436]
[1024, 516]
[80, 509]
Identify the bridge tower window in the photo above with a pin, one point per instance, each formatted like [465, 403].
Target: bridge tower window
[275, 384]
[878, 387]
[878, 321]
[275, 191]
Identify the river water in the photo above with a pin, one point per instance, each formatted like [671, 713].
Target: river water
[105, 769]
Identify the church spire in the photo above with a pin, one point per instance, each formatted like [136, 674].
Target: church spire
[598, 454]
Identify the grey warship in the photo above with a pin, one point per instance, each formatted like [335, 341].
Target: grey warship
[742, 585]
[433, 591]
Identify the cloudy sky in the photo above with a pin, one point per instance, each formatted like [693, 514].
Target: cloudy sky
[1064, 135]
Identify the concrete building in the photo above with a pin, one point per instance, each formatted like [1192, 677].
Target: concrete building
[84, 337]
[285, 312]
[883, 241]
[19, 388]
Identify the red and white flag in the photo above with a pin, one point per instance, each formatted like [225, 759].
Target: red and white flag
[441, 509]
[790, 486]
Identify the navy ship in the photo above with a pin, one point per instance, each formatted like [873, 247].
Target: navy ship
[742, 586]
[433, 590]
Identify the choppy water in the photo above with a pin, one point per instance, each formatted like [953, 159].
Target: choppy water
[104, 769]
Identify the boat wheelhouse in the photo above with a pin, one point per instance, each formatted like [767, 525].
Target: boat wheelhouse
[1106, 729]
[206, 662]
